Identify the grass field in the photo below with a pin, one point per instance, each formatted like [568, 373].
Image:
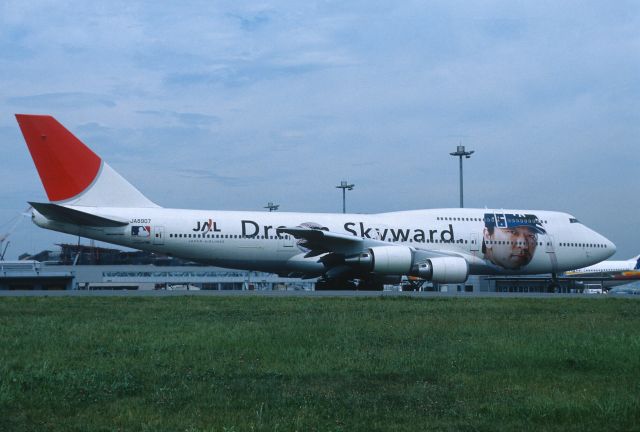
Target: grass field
[242, 364]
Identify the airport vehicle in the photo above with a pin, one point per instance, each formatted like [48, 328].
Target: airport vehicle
[592, 289]
[629, 289]
[89, 198]
[183, 287]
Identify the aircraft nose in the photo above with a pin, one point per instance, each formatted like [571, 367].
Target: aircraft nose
[610, 247]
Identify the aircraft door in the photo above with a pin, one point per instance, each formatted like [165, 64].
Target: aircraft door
[474, 243]
[551, 252]
[158, 235]
[286, 243]
[549, 246]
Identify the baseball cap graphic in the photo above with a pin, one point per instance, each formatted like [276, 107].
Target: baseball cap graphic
[508, 220]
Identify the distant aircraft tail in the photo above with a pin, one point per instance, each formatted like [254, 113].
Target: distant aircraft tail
[637, 260]
[70, 172]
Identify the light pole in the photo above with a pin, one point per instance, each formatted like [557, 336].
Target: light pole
[467, 154]
[271, 206]
[344, 185]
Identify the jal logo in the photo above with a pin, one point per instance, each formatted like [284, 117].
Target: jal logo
[206, 226]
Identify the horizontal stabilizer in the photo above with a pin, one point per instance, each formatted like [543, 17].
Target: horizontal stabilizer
[58, 213]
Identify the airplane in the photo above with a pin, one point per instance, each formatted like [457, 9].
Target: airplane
[608, 273]
[88, 198]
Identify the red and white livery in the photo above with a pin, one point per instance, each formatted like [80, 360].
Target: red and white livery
[89, 198]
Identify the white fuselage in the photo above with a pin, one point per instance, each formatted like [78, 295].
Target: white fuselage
[604, 268]
[248, 240]
[608, 273]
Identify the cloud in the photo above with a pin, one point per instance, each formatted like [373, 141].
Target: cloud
[241, 73]
[12, 43]
[187, 119]
[252, 22]
[303, 94]
[49, 101]
[504, 28]
[238, 181]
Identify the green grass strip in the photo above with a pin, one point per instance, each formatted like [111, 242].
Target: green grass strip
[325, 364]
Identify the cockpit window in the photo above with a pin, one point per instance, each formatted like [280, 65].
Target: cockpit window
[574, 220]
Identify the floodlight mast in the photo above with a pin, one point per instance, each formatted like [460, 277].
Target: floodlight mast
[344, 185]
[272, 207]
[460, 152]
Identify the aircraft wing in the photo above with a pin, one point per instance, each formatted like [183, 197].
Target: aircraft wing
[320, 241]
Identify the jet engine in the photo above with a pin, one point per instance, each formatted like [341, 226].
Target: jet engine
[396, 260]
[401, 260]
[443, 270]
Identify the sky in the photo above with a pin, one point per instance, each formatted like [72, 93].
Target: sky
[229, 104]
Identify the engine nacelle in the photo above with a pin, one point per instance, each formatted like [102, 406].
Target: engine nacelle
[385, 260]
[399, 260]
[443, 270]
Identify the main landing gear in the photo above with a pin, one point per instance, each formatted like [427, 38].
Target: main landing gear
[335, 285]
[348, 285]
[370, 285]
[553, 286]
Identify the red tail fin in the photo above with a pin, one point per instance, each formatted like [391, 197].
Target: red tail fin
[65, 165]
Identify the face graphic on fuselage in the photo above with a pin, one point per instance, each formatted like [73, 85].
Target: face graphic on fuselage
[511, 248]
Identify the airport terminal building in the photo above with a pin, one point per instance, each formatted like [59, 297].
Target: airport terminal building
[80, 267]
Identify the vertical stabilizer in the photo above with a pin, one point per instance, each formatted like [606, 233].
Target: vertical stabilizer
[71, 172]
